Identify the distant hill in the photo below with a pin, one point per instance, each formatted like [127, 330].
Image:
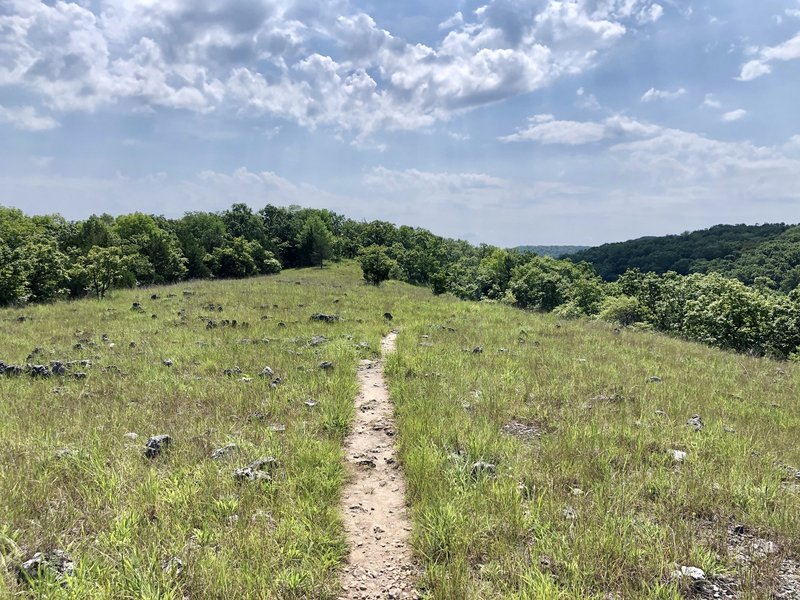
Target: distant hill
[728, 249]
[554, 251]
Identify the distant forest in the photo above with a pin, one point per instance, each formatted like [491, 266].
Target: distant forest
[734, 287]
[552, 251]
[765, 255]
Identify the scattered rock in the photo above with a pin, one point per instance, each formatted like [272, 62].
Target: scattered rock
[267, 372]
[56, 562]
[569, 513]
[522, 430]
[325, 318]
[326, 365]
[692, 574]
[136, 307]
[64, 453]
[156, 444]
[39, 371]
[173, 566]
[167, 362]
[155, 297]
[654, 379]
[258, 470]
[388, 316]
[695, 422]
[232, 372]
[131, 436]
[310, 403]
[224, 451]
[678, 455]
[10, 370]
[58, 368]
[482, 468]
[317, 340]
[477, 350]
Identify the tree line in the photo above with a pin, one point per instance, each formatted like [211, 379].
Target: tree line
[44, 258]
[718, 248]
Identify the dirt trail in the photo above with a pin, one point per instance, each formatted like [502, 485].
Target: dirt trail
[375, 515]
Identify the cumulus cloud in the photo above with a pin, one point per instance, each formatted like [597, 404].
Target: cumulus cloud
[545, 129]
[654, 94]
[313, 62]
[457, 20]
[734, 115]
[26, 118]
[788, 50]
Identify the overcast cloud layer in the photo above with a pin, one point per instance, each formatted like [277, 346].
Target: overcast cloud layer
[507, 121]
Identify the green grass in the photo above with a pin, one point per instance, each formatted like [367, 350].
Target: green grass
[121, 516]
[603, 455]
[592, 505]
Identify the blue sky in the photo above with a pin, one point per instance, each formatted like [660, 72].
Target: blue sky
[501, 121]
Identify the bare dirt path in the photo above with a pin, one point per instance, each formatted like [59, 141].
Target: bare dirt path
[373, 503]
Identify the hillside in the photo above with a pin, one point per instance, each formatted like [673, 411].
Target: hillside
[687, 253]
[543, 458]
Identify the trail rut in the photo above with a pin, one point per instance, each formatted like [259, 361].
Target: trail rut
[375, 515]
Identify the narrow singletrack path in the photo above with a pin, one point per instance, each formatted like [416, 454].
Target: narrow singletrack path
[375, 515]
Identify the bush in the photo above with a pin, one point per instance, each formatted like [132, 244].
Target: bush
[376, 265]
[622, 309]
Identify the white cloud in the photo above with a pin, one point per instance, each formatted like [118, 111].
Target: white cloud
[545, 129]
[26, 118]
[711, 102]
[457, 20]
[788, 50]
[654, 94]
[734, 115]
[672, 157]
[650, 14]
[388, 179]
[313, 62]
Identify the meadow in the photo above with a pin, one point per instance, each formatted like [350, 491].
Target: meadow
[600, 485]
[544, 458]
[180, 525]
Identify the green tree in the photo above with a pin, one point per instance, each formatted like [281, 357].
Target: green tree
[160, 259]
[13, 276]
[315, 242]
[199, 233]
[624, 310]
[103, 269]
[376, 265]
[242, 258]
[47, 270]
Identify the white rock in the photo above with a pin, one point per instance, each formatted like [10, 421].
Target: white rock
[678, 456]
[692, 573]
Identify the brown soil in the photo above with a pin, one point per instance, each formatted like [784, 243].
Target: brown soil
[375, 514]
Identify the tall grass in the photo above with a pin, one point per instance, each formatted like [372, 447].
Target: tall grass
[591, 504]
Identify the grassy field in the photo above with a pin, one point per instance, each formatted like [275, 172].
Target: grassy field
[588, 498]
[581, 495]
[180, 525]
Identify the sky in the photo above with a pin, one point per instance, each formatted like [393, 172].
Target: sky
[508, 122]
